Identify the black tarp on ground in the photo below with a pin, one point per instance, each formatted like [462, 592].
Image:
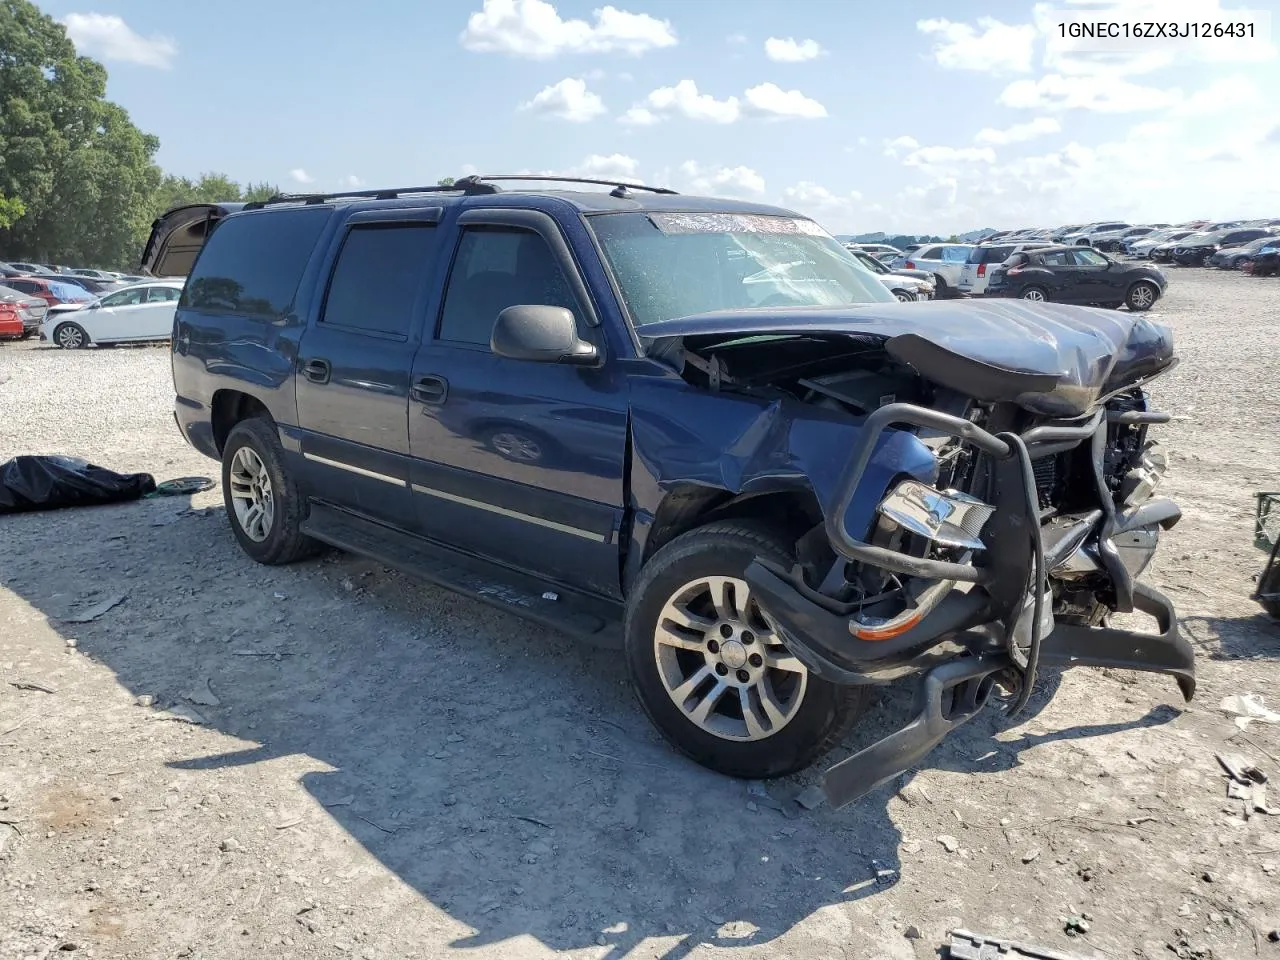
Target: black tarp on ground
[50, 482]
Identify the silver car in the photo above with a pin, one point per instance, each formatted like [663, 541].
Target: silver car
[985, 257]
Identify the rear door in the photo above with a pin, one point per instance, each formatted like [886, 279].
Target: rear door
[516, 461]
[117, 315]
[354, 360]
[1058, 275]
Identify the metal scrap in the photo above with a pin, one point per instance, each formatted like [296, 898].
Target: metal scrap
[975, 946]
[95, 611]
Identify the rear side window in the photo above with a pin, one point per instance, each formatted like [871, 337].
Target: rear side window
[989, 254]
[1057, 258]
[251, 264]
[377, 277]
[933, 253]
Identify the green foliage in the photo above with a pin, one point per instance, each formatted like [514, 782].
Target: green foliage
[10, 212]
[80, 179]
[445, 182]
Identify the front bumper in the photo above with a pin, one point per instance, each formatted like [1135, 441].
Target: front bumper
[981, 627]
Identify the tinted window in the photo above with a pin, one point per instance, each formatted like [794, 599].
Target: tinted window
[26, 286]
[1058, 258]
[251, 264]
[162, 294]
[376, 279]
[933, 253]
[496, 268]
[1089, 258]
[124, 298]
[990, 254]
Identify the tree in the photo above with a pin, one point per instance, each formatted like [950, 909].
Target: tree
[445, 182]
[10, 212]
[209, 188]
[82, 171]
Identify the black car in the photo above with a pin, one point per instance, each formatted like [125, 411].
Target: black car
[1193, 252]
[1264, 263]
[1234, 257]
[1073, 274]
[610, 411]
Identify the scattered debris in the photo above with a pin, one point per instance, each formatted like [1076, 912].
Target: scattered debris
[27, 685]
[202, 693]
[144, 700]
[93, 612]
[533, 820]
[342, 801]
[974, 946]
[1246, 708]
[289, 823]
[551, 595]
[179, 712]
[1030, 856]
[279, 596]
[912, 932]
[949, 843]
[1240, 768]
[231, 845]
[811, 798]
[1075, 926]
[72, 643]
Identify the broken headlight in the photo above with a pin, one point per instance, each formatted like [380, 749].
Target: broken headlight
[948, 518]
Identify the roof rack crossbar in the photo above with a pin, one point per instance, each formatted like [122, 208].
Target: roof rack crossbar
[624, 185]
[465, 185]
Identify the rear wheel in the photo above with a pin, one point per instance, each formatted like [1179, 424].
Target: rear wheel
[711, 670]
[262, 499]
[70, 336]
[1142, 296]
[1035, 294]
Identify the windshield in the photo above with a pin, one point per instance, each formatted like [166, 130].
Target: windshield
[670, 265]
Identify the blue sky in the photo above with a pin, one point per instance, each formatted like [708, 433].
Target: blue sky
[930, 116]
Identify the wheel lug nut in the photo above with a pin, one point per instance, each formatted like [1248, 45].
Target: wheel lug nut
[743, 676]
[756, 660]
[726, 631]
[748, 636]
[721, 669]
[713, 646]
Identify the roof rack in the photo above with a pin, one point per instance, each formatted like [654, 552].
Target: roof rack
[473, 185]
[466, 185]
[621, 188]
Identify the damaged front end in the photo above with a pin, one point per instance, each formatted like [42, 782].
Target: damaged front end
[1038, 522]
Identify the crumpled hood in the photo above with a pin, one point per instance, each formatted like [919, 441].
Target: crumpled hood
[1053, 359]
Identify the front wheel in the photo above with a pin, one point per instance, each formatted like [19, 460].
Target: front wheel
[904, 296]
[261, 497]
[711, 670]
[70, 336]
[1142, 296]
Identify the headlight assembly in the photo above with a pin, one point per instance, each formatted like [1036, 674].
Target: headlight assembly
[948, 518]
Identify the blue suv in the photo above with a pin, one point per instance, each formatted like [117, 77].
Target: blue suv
[695, 426]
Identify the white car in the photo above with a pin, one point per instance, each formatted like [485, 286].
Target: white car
[944, 260]
[985, 257]
[140, 312]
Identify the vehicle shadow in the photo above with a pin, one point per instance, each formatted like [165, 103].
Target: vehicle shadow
[502, 771]
[1241, 638]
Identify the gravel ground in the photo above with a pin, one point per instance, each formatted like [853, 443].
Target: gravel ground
[386, 770]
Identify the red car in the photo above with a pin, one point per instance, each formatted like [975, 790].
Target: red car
[20, 314]
[52, 292]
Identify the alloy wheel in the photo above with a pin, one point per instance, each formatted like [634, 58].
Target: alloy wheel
[1142, 296]
[251, 494]
[1033, 294]
[722, 663]
[70, 337]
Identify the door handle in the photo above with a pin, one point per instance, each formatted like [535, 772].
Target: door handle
[430, 389]
[317, 371]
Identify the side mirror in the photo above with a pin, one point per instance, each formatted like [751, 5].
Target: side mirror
[543, 334]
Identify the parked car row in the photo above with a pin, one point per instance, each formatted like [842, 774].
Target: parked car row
[135, 313]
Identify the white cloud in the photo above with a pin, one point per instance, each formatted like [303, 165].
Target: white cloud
[1237, 91]
[1103, 94]
[684, 100]
[838, 212]
[301, 176]
[534, 29]
[352, 182]
[770, 100]
[1019, 132]
[900, 145]
[109, 37]
[568, 100]
[790, 50]
[935, 156]
[614, 166]
[991, 47]
[727, 181]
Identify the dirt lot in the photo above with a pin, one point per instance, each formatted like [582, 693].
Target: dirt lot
[385, 770]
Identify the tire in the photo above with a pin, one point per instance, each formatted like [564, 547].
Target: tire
[814, 714]
[904, 296]
[941, 291]
[1142, 296]
[252, 450]
[1035, 294]
[70, 336]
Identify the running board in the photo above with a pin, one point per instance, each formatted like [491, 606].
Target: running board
[595, 620]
